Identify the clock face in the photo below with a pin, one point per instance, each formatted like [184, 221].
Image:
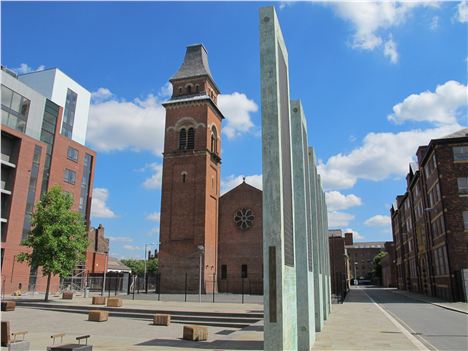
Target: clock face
[243, 218]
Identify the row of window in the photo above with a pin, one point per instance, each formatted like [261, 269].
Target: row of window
[15, 109]
[438, 227]
[244, 272]
[187, 139]
[460, 153]
[440, 261]
[434, 195]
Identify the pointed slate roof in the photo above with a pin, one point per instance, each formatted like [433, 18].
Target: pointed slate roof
[195, 63]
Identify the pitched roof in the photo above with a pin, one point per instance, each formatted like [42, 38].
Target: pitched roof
[195, 63]
[458, 134]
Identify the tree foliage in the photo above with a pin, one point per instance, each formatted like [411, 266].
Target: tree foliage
[377, 265]
[138, 266]
[58, 238]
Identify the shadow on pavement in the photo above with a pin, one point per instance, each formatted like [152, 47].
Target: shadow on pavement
[216, 344]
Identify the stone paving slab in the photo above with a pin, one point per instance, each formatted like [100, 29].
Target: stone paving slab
[358, 324]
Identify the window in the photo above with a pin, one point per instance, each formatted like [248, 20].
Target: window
[72, 154]
[438, 227]
[31, 192]
[70, 176]
[197, 88]
[69, 113]
[462, 185]
[184, 177]
[465, 219]
[180, 91]
[214, 140]
[460, 153]
[223, 271]
[431, 165]
[182, 139]
[189, 89]
[191, 139]
[244, 271]
[85, 180]
[15, 109]
[434, 195]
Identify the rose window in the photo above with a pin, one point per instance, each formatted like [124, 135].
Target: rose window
[244, 218]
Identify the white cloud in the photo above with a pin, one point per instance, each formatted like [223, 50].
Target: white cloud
[133, 248]
[101, 95]
[462, 11]
[165, 91]
[237, 108]
[440, 107]
[232, 181]
[338, 219]
[390, 50]
[337, 201]
[155, 216]
[152, 232]
[374, 20]
[434, 23]
[116, 125]
[378, 221]
[99, 207]
[356, 235]
[382, 155]
[154, 182]
[120, 239]
[24, 68]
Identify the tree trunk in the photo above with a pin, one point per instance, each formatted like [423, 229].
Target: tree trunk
[46, 299]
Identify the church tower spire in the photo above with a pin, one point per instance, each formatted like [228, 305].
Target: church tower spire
[191, 177]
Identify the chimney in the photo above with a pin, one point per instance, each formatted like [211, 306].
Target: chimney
[348, 239]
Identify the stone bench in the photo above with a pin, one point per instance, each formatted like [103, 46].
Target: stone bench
[99, 300]
[162, 319]
[8, 306]
[98, 316]
[114, 302]
[14, 345]
[195, 333]
[67, 295]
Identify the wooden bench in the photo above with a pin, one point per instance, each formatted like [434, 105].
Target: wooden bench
[18, 345]
[114, 302]
[162, 319]
[67, 295]
[99, 300]
[98, 316]
[195, 333]
[72, 347]
[8, 306]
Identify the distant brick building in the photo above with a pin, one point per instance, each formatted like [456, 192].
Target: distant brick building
[98, 251]
[339, 264]
[430, 221]
[389, 266]
[222, 234]
[44, 120]
[361, 256]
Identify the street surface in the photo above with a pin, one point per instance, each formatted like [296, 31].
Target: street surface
[437, 328]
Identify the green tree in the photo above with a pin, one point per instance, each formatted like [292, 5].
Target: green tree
[138, 266]
[58, 238]
[377, 265]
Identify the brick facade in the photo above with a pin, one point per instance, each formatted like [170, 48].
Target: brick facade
[339, 263]
[429, 229]
[240, 247]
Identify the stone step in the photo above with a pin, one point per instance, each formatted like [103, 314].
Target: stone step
[225, 322]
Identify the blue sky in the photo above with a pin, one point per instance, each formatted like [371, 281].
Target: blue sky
[376, 80]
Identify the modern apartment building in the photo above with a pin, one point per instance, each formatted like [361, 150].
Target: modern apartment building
[430, 221]
[44, 120]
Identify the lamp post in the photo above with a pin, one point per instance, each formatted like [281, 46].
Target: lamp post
[201, 251]
[146, 256]
[355, 279]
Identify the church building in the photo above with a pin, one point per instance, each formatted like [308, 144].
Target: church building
[203, 235]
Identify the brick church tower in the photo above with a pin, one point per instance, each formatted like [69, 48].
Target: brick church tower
[191, 178]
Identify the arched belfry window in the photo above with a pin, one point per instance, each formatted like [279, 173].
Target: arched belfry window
[214, 140]
[189, 89]
[183, 139]
[191, 139]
